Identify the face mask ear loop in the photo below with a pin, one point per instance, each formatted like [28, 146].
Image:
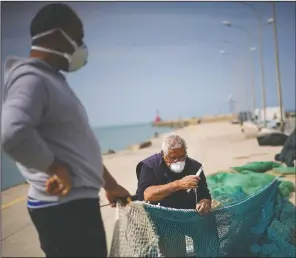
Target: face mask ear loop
[52, 52]
[43, 34]
[71, 41]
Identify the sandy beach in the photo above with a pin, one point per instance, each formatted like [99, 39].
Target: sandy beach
[217, 145]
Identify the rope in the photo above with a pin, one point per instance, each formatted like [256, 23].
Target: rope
[124, 201]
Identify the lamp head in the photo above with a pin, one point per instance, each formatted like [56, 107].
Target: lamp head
[270, 20]
[227, 23]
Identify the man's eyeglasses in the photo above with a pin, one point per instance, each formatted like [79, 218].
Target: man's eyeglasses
[173, 159]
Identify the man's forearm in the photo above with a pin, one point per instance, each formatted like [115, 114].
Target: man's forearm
[159, 192]
[110, 182]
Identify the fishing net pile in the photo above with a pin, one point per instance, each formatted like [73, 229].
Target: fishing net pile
[252, 218]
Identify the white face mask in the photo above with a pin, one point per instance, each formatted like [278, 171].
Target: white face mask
[76, 61]
[177, 167]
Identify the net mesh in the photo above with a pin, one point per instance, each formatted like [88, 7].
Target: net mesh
[228, 188]
[258, 166]
[279, 240]
[236, 229]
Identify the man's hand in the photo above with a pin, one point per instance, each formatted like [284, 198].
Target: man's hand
[204, 206]
[116, 193]
[188, 182]
[60, 181]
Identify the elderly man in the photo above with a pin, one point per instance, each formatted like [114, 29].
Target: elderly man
[168, 178]
[165, 178]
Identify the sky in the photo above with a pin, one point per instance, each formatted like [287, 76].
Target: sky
[145, 56]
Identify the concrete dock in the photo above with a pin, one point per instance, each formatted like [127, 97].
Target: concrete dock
[180, 123]
[217, 145]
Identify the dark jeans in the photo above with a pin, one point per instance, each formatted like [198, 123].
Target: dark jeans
[74, 229]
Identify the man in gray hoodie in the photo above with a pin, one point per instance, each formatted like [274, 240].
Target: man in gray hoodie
[45, 129]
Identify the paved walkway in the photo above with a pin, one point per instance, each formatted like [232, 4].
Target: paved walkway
[217, 145]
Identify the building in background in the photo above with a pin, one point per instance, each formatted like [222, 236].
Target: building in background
[272, 114]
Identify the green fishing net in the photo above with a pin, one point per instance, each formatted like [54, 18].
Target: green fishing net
[253, 218]
[258, 166]
[279, 238]
[285, 170]
[232, 187]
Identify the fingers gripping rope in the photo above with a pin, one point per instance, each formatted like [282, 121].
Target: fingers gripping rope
[123, 200]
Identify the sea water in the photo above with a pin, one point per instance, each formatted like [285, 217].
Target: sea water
[112, 137]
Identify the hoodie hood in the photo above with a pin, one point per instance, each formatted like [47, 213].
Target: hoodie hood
[13, 63]
[15, 67]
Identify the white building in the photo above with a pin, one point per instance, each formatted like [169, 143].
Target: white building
[272, 113]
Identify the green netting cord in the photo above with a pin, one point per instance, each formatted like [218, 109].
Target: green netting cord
[258, 166]
[229, 187]
[285, 170]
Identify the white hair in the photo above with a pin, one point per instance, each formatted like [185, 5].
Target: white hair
[173, 142]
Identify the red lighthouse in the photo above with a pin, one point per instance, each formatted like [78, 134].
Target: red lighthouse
[157, 118]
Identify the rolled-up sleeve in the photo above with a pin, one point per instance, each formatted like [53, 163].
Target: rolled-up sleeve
[203, 191]
[146, 179]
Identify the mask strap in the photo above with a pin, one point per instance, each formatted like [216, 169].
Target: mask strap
[71, 41]
[52, 52]
[42, 34]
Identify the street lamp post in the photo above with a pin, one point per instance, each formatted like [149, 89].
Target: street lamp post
[263, 90]
[232, 101]
[253, 81]
[229, 24]
[260, 46]
[278, 75]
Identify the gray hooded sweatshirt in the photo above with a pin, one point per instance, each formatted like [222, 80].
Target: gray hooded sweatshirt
[43, 120]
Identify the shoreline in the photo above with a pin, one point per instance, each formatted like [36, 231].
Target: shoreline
[136, 146]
